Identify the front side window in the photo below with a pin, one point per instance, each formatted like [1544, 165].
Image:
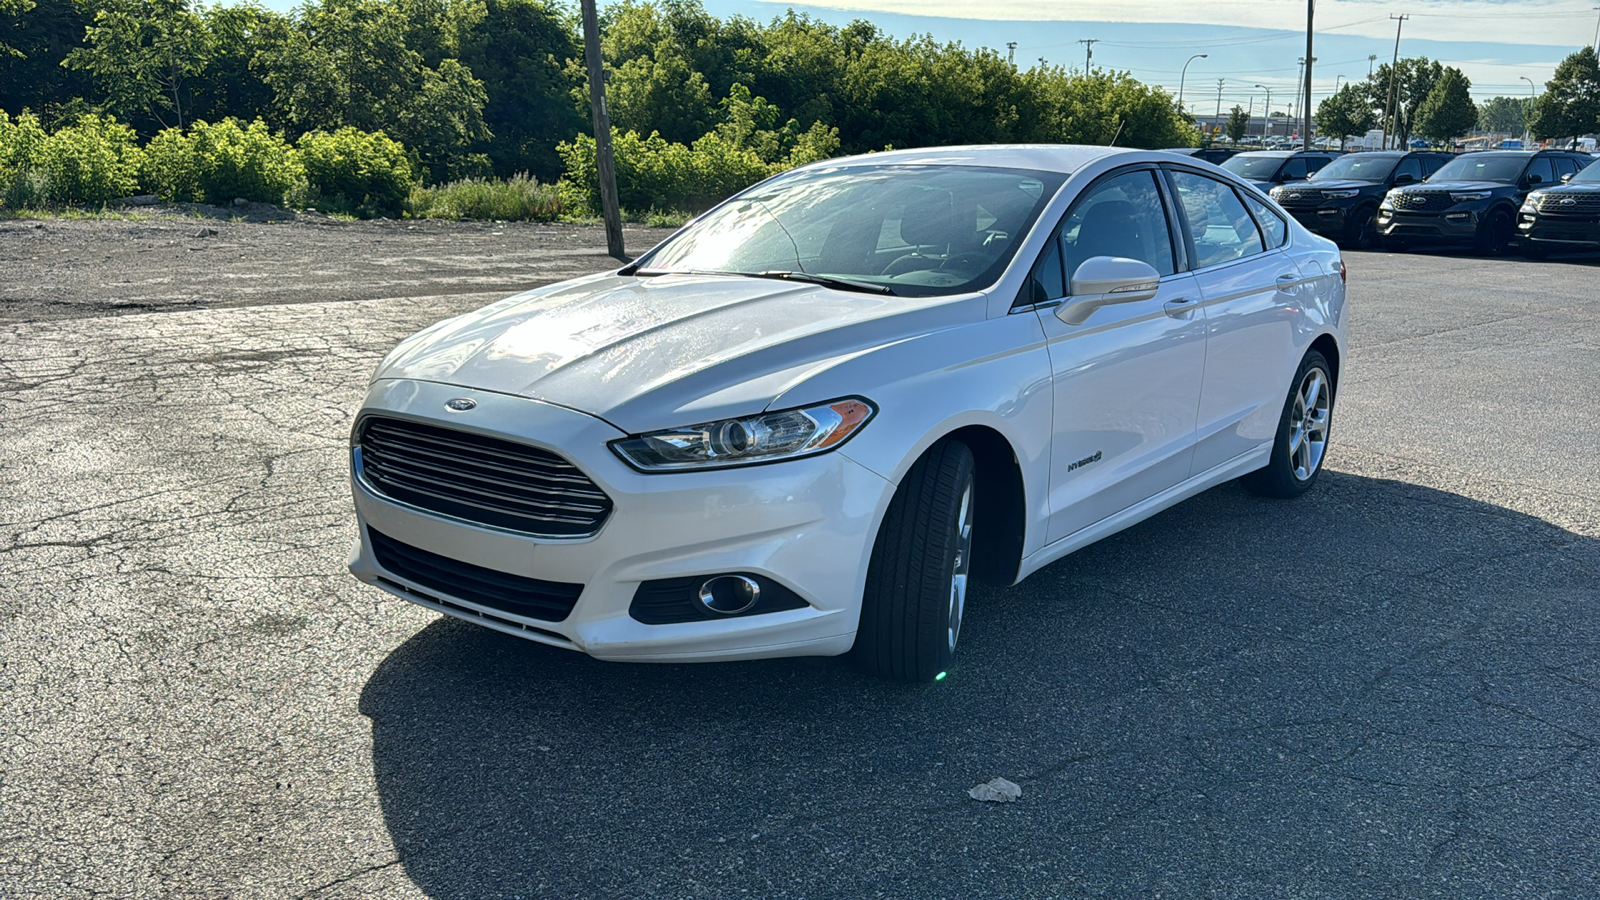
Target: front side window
[908, 230]
[1410, 166]
[1223, 231]
[1541, 172]
[1296, 169]
[1253, 168]
[1122, 216]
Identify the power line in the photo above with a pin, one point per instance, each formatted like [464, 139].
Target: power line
[1088, 55]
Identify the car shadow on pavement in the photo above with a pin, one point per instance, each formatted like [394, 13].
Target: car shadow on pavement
[1375, 689]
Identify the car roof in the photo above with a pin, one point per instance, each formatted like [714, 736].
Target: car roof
[1063, 158]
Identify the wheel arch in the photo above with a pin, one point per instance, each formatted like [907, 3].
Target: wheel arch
[1001, 514]
[1329, 348]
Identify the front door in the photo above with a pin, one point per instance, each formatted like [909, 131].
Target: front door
[1127, 380]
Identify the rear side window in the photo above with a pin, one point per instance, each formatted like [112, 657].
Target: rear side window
[1273, 228]
[1315, 163]
[1540, 171]
[1223, 231]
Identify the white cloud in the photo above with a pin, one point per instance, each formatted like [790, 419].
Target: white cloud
[1543, 22]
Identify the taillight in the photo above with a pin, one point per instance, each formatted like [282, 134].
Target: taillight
[1342, 279]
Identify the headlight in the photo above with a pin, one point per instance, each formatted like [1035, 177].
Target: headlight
[1531, 202]
[767, 437]
[1275, 193]
[1340, 195]
[1465, 196]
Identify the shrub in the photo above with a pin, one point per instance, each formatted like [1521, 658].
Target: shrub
[655, 174]
[91, 163]
[520, 198]
[353, 171]
[221, 162]
[21, 183]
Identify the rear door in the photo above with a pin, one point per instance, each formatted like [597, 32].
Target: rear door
[1127, 380]
[1246, 280]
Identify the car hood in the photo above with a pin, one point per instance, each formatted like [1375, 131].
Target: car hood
[645, 353]
[1333, 185]
[1572, 189]
[1459, 186]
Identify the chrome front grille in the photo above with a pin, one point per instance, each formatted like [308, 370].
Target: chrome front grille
[1420, 200]
[1586, 203]
[1302, 197]
[479, 479]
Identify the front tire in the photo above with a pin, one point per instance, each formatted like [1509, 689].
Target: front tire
[1494, 235]
[1302, 440]
[1361, 230]
[916, 589]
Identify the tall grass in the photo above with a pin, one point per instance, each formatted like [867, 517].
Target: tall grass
[520, 198]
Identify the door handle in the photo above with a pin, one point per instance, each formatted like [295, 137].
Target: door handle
[1285, 279]
[1179, 306]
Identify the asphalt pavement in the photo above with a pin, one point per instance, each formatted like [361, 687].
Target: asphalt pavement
[1386, 688]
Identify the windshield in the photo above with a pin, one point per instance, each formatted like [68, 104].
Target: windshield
[1357, 168]
[1481, 167]
[1253, 168]
[1589, 174]
[909, 230]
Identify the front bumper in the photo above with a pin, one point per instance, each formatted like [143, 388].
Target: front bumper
[1328, 221]
[1453, 226]
[808, 524]
[1565, 233]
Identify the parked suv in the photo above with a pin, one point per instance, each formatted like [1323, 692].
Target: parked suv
[1561, 218]
[1472, 199]
[1268, 168]
[1213, 155]
[1341, 199]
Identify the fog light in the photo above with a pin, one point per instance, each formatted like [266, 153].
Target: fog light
[1327, 212]
[729, 595]
[1460, 215]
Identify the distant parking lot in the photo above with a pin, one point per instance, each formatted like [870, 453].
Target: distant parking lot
[1387, 688]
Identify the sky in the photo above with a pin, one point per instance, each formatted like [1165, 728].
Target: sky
[1247, 42]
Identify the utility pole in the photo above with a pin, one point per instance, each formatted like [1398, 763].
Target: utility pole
[607, 173]
[1371, 58]
[1305, 130]
[1527, 132]
[1088, 52]
[1011, 50]
[1267, 112]
[1217, 116]
[1388, 123]
[1294, 108]
[1597, 31]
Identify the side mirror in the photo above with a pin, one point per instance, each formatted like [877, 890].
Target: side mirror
[1535, 179]
[1404, 178]
[1566, 178]
[1106, 280]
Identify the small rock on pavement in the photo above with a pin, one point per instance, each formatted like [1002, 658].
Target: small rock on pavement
[240, 201]
[205, 232]
[997, 790]
[141, 200]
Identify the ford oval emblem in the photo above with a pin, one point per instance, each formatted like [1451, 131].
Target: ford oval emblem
[460, 404]
[1568, 201]
[1294, 196]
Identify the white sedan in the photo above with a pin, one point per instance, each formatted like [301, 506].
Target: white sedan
[798, 425]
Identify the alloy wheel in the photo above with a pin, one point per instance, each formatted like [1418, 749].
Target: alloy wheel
[960, 567]
[1308, 424]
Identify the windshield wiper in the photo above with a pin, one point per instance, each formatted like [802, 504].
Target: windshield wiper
[824, 280]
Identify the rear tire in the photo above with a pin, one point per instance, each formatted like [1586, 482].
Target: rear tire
[1302, 441]
[915, 596]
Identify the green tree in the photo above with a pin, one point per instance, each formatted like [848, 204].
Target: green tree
[519, 48]
[13, 9]
[1102, 108]
[1346, 113]
[346, 63]
[1508, 115]
[1570, 104]
[1238, 123]
[231, 84]
[144, 54]
[1414, 80]
[1448, 112]
[32, 77]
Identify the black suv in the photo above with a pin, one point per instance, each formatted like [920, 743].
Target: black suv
[1214, 155]
[1472, 199]
[1266, 168]
[1562, 218]
[1341, 199]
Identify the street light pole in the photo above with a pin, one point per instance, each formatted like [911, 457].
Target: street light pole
[1527, 132]
[1266, 130]
[1185, 74]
